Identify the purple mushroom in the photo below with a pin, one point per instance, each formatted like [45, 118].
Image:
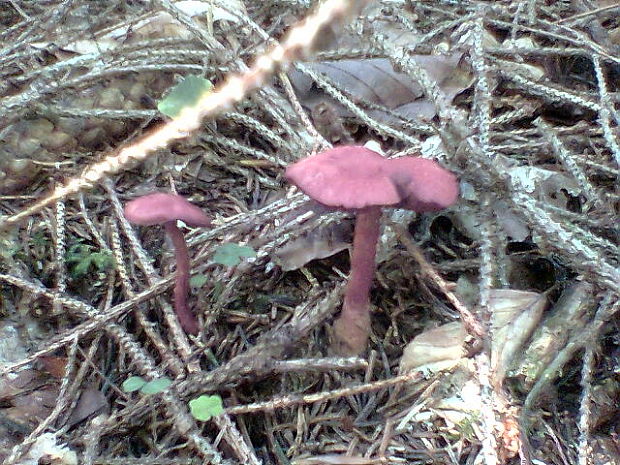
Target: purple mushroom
[359, 179]
[166, 209]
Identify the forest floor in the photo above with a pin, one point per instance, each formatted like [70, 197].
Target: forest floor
[494, 333]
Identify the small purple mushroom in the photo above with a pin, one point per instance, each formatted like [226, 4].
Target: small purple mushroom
[166, 209]
[359, 179]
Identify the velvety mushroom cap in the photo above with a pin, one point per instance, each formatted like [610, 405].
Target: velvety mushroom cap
[346, 177]
[160, 207]
[353, 177]
[423, 184]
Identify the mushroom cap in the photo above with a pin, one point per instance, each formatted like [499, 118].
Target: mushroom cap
[354, 177]
[161, 207]
[424, 185]
[348, 177]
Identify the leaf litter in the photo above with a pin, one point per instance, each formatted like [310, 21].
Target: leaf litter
[62, 109]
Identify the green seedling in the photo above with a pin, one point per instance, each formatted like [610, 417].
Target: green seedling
[185, 94]
[82, 258]
[133, 383]
[156, 386]
[196, 282]
[204, 408]
[230, 254]
[137, 383]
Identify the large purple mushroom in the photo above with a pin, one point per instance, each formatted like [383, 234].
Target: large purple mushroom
[166, 209]
[359, 179]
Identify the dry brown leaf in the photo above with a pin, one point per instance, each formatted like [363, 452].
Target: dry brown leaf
[328, 122]
[535, 73]
[605, 451]
[28, 409]
[91, 401]
[375, 81]
[317, 244]
[53, 365]
[395, 29]
[514, 316]
[12, 385]
[435, 349]
[567, 315]
[614, 36]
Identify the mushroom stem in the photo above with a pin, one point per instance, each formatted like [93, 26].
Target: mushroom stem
[352, 328]
[181, 287]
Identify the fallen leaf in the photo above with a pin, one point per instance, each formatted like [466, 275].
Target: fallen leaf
[535, 73]
[374, 81]
[25, 400]
[328, 122]
[314, 245]
[569, 314]
[47, 449]
[13, 384]
[545, 185]
[435, 349]
[55, 366]
[514, 316]
[510, 221]
[92, 401]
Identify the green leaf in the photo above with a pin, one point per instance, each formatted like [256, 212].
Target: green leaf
[133, 383]
[185, 94]
[231, 254]
[156, 386]
[102, 260]
[205, 407]
[83, 256]
[81, 268]
[218, 288]
[39, 239]
[198, 281]
[78, 252]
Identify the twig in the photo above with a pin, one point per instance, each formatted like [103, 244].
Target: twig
[469, 320]
[608, 306]
[587, 14]
[606, 109]
[320, 364]
[585, 407]
[60, 250]
[298, 399]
